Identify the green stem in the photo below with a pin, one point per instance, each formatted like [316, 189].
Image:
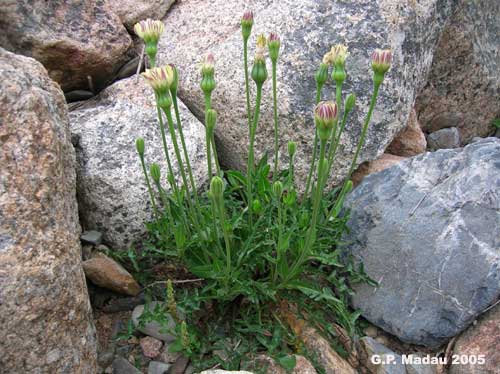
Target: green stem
[216, 158]
[247, 88]
[173, 183]
[155, 209]
[333, 149]
[278, 248]
[165, 202]
[275, 111]
[315, 148]
[211, 139]
[250, 165]
[222, 216]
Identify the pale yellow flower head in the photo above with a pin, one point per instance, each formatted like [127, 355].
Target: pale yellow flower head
[149, 30]
[160, 79]
[338, 55]
[260, 49]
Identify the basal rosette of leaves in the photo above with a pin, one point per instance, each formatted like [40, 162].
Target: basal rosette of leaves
[251, 238]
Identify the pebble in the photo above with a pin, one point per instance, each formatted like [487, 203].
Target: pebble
[150, 346]
[86, 251]
[156, 367]
[91, 237]
[122, 366]
[179, 367]
[153, 328]
[78, 95]
[444, 139]
[128, 69]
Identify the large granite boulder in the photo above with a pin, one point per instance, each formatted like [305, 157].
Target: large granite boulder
[307, 29]
[463, 88]
[112, 193]
[427, 232]
[133, 11]
[73, 39]
[45, 314]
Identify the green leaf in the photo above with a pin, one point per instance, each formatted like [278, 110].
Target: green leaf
[287, 362]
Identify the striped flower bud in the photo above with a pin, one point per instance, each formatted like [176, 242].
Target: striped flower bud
[207, 74]
[154, 170]
[139, 145]
[322, 74]
[160, 79]
[273, 45]
[292, 148]
[259, 70]
[381, 60]
[175, 81]
[277, 189]
[338, 55]
[350, 101]
[325, 115]
[246, 24]
[217, 188]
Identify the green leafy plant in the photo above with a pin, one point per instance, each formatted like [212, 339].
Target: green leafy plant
[252, 238]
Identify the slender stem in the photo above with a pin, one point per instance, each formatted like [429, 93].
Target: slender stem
[211, 139]
[172, 182]
[209, 156]
[312, 229]
[247, 88]
[275, 111]
[155, 209]
[220, 206]
[278, 248]
[183, 143]
[291, 177]
[165, 202]
[216, 158]
[250, 165]
[315, 148]
[333, 149]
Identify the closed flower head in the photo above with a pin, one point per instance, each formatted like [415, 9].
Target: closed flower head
[149, 30]
[260, 49]
[246, 24]
[273, 44]
[160, 78]
[381, 60]
[338, 55]
[325, 115]
[207, 65]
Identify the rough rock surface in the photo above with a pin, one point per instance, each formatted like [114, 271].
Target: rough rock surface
[133, 11]
[307, 29]
[427, 231]
[383, 162]
[45, 315]
[481, 339]
[410, 141]
[154, 328]
[463, 88]
[105, 272]
[444, 139]
[72, 39]
[391, 362]
[112, 193]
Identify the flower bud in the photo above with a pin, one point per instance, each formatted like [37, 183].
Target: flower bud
[259, 70]
[350, 101]
[216, 187]
[246, 24]
[292, 147]
[154, 170]
[277, 189]
[256, 207]
[175, 81]
[322, 74]
[160, 79]
[150, 31]
[139, 145]
[325, 115]
[207, 73]
[207, 65]
[381, 62]
[338, 55]
[273, 45]
[211, 120]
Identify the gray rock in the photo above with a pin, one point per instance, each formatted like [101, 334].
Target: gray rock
[444, 139]
[180, 365]
[156, 367]
[133, 11]
[73, 39]
[129, 68]
[122, 366]
[91, 237]
[153, 328]
[391, 362]
[427, 231]
[218, 371]
[307, 29]
[45, 315]
[78, 95]
[418, 367]
[112, 194]
[105, 358]
[463, 87]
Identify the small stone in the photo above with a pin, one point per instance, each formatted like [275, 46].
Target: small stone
[105, 272]
[385, 161]
[410, 141]
[78, 95]
[153, 328]
[371, 331]
[179, 366]
[91, 237]
[122, 366]
[218, 371]
[369, 348]
[87, 251]
[156, 367]
[150, 346]
[444, 139]
[167, 356]
[128, 69]
[105, 359]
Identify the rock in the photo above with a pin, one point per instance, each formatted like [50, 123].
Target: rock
[383, 162]
[389, 362]
[167, 356]
[463, 87]
[426, 231]
[105, 272]
[129, 68]
[123, 303]
[91, 237]
[132, 11]
[410, 141]
[78, 95]
[480, 339]
[150, 346]
[444, 139]
[307, 29]
[156, 367]
[87, 251]
[122, 366]
[45, 314]
[112, 193]
[263, 362]
[371, 331]
[224, 372]
[105, 359]
[419, 367]
[73, 39]
[179, 365]
[153, 328]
